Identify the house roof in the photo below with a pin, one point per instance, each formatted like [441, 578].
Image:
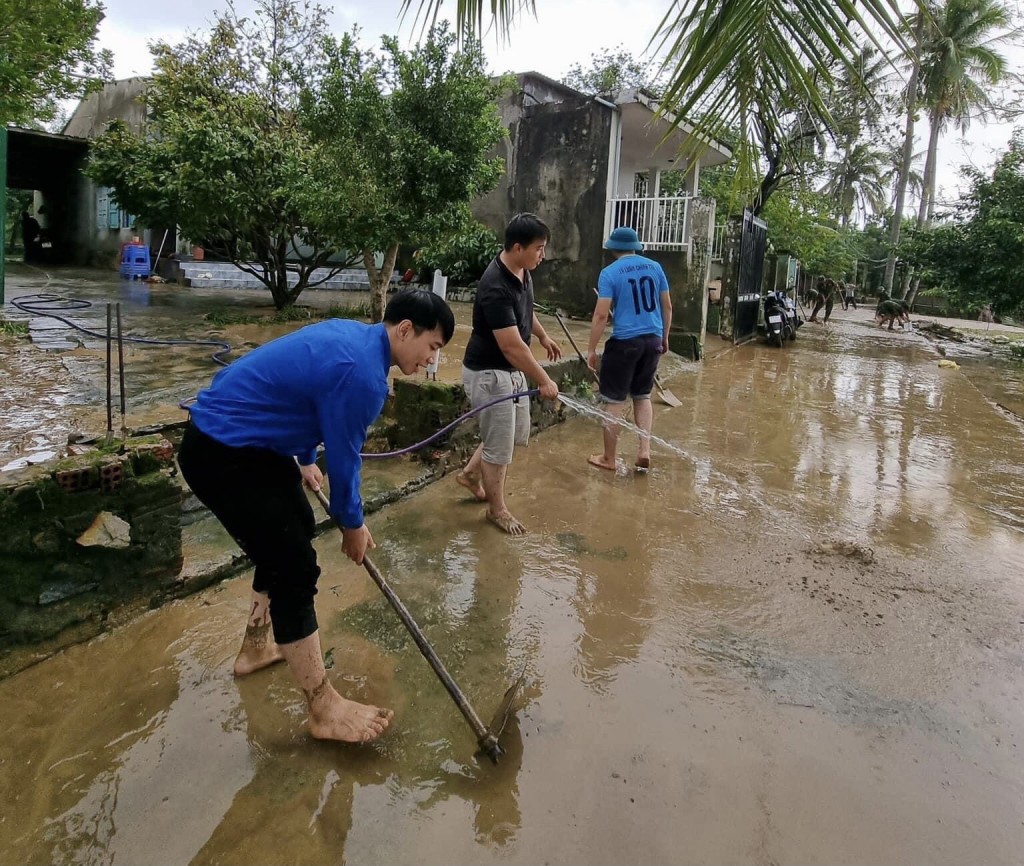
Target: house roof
[639, 96]
[638, 99]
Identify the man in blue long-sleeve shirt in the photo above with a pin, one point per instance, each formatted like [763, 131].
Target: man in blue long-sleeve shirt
[324, 383]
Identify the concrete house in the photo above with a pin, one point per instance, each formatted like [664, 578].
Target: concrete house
[586, 164]
[103, 226]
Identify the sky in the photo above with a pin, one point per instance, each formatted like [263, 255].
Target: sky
[563, 33]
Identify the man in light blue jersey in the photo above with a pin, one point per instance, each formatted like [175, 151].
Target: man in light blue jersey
[635, 288]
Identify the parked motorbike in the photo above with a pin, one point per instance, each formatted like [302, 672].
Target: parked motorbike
[780, 318]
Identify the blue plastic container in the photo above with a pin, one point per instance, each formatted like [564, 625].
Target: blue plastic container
[135, 262]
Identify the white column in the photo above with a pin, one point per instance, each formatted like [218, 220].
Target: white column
[440, 287]
[693, 178]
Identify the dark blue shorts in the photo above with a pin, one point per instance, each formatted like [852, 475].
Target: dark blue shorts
[628, 368]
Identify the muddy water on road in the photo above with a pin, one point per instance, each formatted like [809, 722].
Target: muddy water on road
[800, 645]
[57, 382]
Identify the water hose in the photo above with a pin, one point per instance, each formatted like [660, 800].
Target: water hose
[52, 305]
[465, 416]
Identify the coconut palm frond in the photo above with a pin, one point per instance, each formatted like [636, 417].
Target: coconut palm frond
[469, 15]
[726, 63]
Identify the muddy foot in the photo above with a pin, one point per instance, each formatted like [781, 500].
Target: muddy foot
[259, 650]
[473, 485]
[506, 523]
[643, 464]
[599, 461]
[337, 718]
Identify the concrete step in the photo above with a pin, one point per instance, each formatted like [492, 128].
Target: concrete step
[225, 275]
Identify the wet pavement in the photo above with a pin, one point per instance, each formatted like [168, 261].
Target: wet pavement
[799, 642]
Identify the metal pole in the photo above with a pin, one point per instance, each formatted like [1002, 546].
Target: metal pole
[110, 399]
[160, 252]
[120, 372]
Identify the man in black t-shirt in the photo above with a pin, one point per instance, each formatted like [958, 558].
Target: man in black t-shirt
[497, 357]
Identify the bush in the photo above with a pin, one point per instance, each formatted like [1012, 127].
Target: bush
[462, 258]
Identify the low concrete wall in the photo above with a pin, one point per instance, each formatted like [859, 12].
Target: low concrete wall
[84, 536]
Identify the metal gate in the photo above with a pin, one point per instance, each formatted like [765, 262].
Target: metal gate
[747, 301]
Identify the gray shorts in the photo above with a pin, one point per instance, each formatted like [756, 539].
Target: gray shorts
[506, 424]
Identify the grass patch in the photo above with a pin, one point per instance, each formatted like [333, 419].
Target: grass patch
[13, 329]
[224, 318]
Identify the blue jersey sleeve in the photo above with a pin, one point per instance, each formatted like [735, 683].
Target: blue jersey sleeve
[606, 285]
[345, 415]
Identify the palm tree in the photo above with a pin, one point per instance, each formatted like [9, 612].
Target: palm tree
[861, 97]
[859, 182]
[907, 156]
[958, 61]
[859, 102]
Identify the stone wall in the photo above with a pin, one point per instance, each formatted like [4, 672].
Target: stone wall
[421, 407]
[556, 160]
[690, 285]
[730, 276]
[84, 537]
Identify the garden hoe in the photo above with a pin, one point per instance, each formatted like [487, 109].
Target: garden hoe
[487, 738]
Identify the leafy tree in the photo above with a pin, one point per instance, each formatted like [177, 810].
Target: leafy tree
[462, 256]
[610, 71]
[226, 156]
[413, 131]
[800, 223]
[47, 53]
[978, 258]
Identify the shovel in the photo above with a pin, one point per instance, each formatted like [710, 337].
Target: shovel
[486, 738]
[667, 397]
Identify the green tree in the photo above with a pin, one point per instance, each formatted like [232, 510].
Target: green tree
[226, 156]
[413, 130]
[47, 53]
[978, 258]
[610, 71]
[800, 223]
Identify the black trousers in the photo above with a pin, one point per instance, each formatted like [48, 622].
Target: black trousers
[257, 495]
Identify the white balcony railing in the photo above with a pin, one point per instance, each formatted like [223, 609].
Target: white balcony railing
[661, 223]
[718, 242]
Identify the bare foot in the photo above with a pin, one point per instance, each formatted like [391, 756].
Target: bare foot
[599, 461]
[332, 717]
[643, 464]
[506, 523]
[259, 650]
[473, 485]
